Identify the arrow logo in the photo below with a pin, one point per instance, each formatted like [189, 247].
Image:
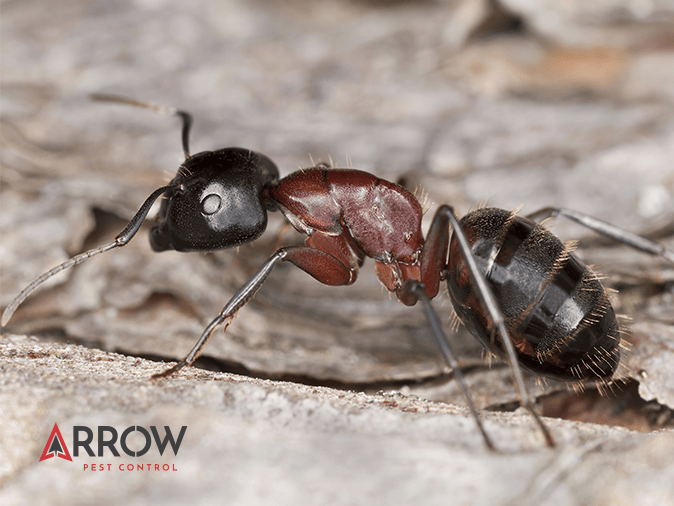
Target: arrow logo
[56, 446]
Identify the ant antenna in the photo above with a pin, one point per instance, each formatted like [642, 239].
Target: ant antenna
[185, 116]
[121, 240]
[134, 225]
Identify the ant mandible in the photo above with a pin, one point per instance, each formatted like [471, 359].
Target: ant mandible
[515, 285]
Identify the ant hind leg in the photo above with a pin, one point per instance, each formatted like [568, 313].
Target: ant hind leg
[606, 229]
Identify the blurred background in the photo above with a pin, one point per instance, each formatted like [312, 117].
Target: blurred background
[506, 102]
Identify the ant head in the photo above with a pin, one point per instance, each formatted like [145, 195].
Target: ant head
[217, 200]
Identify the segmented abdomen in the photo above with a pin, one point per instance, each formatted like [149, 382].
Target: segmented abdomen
[557, 313]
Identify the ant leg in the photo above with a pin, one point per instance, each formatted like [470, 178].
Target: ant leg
[419, 290]
[185, 116]
[445, 216]
[604, 228]
[243, 295]
[121, 240]
[321, 265]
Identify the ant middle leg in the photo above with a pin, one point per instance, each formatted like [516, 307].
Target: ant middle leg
[418, 290]
[435, 254]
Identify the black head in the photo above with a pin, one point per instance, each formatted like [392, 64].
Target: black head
[218, 201]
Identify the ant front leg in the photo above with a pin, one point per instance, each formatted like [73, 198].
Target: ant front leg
[243, 295]
[604, 228]
[325, 267]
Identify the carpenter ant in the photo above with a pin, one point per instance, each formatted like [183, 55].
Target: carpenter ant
[515, 286]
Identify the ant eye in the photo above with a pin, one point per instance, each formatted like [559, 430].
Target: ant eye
[211, 204]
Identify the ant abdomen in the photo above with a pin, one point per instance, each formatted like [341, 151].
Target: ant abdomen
[557, 313]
